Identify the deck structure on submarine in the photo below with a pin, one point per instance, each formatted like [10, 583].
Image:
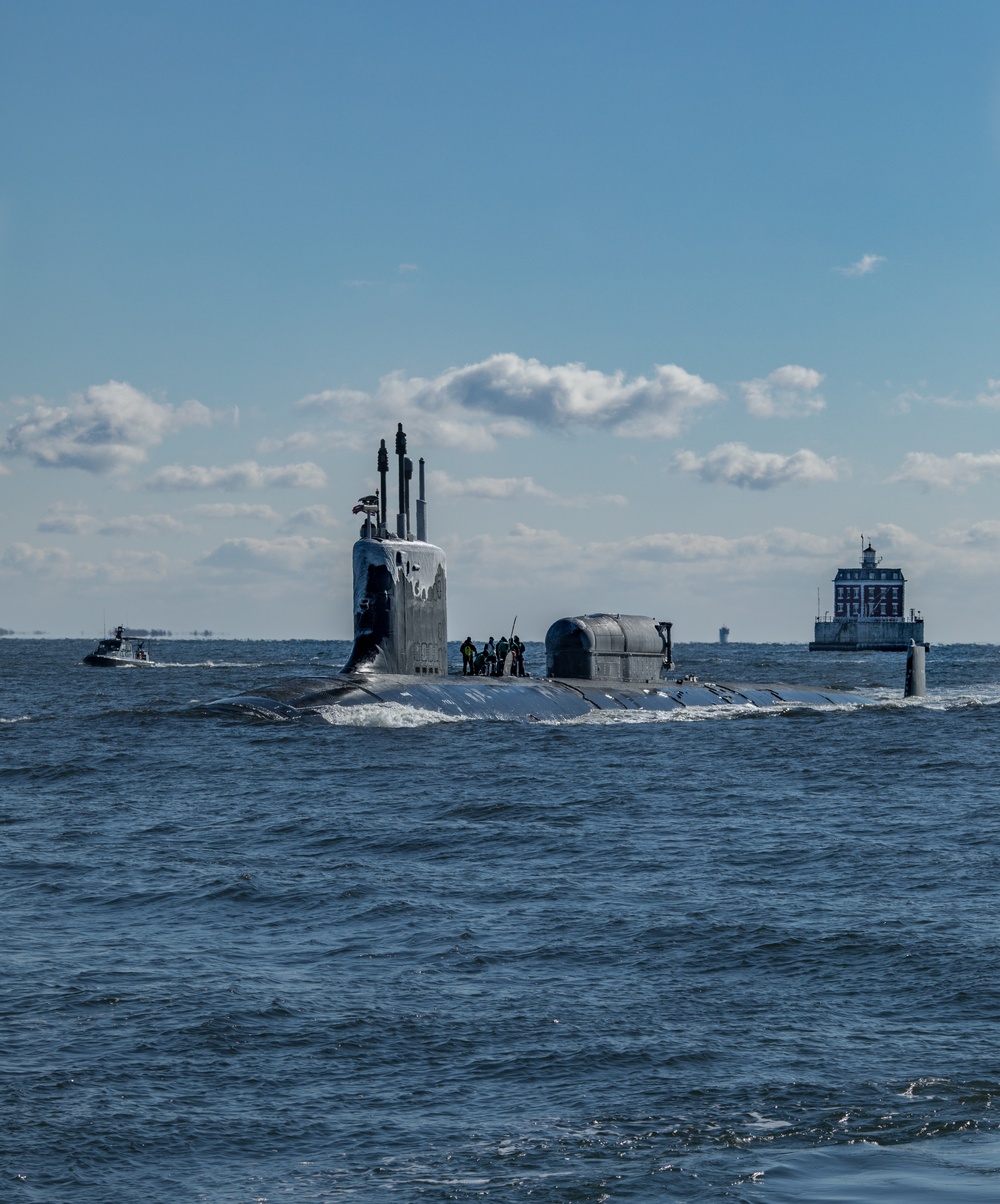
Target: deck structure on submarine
[595, 662]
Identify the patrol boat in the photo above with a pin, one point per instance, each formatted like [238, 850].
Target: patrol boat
[119, 649]
[596, 662]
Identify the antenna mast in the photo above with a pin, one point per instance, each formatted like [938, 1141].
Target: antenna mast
[401, 454]
[383, 469]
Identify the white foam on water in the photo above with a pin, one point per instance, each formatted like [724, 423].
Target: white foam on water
[945, 699]
[678, 715]
[762, 1124]
[207, 664]
[987, 695]
[383, 714]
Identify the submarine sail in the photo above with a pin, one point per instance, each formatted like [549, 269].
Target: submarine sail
[400, 588]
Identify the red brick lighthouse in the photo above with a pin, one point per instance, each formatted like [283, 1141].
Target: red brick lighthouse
[868, 611]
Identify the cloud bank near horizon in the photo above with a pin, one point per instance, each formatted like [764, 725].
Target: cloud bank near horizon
[501, 488]
[928, 471]
[246, 475]
[285, 555]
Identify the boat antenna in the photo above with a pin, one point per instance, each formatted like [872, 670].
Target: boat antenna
[512, 626]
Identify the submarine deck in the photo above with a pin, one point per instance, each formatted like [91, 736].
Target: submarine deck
[517, 698]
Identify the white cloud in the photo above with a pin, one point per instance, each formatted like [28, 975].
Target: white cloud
[615, 573]
[964, 550]
[109, 429]
[680, 546]
[985, 399]
[506, 396]
[122, 567]
[25, 558]
[66, 519]
[444, 485]
[441, 484]
[131, 566]
[737, 464]
[143, 524]
[984, 534]
[930, 471]
[234, 510]
[297, 441]
[863, 267]
[247, 475]
[685, 546]
[989, 399]
[312, 516]
[290, 554]
[788, 392]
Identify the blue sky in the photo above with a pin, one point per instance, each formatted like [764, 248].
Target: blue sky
[676, 299]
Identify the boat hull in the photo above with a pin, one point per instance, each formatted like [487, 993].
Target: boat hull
[113, 662]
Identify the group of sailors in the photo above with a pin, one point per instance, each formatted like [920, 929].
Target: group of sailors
[503, 658]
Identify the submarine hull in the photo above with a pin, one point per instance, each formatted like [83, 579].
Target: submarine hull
[514, 699]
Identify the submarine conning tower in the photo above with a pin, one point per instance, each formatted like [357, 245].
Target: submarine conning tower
[400, 583]
[608, 647]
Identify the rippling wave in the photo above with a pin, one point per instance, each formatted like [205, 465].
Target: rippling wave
[387, 955]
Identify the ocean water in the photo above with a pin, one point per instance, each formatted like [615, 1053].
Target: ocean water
[731, 955]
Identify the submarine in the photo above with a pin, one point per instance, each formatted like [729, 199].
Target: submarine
[605, 661]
